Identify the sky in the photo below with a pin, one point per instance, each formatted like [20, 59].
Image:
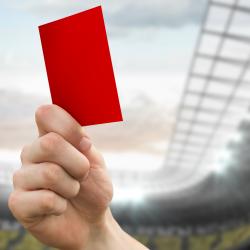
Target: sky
[151, 44]
[148, 40]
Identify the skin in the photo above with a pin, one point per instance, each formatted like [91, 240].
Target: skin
[62, 191]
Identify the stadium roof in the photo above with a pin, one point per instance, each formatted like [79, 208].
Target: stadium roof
[214, 101]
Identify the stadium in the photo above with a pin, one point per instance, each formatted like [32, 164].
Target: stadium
[199, 199]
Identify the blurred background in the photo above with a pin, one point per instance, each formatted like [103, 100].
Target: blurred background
[179, 161]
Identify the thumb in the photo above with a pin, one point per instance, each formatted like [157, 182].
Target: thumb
[89, 150]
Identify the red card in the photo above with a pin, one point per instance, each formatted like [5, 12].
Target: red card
[79, 67]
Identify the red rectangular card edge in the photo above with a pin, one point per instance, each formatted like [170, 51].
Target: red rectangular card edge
[120, 116]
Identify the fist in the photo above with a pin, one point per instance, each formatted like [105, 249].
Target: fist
[62, 191]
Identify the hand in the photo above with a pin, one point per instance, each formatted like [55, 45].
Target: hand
[62, 188]
[62, 191]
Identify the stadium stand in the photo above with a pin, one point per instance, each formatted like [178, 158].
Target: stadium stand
[237, 238]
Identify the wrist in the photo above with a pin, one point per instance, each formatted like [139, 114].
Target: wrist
[108, 235]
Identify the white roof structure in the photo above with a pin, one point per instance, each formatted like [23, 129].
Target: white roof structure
[215, 99]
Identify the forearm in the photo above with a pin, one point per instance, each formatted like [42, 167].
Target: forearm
[112, 237]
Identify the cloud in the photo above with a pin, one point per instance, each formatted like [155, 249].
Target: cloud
[124, 14]
[136, 133]
[157, 13]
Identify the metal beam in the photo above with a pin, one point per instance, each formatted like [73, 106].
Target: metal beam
[194, 133]
[203, 110]
[216, 96]
[240, 8]
[223, 59]
[206, 123]
[244, 39]
[219, 79]
[191, 152]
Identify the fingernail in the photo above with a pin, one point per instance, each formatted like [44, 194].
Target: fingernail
[85, 144]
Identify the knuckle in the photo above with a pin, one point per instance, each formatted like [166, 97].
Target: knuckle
[43, 112]
[48, 201]
[51, 173]
[83, 171]
[13, 202]
[49, 142]
[75, 188]
[17, 176]
[24, 153]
